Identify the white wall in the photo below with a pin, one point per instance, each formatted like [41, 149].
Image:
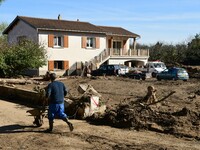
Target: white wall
[116, 61]
[74, 53]
[122, 61]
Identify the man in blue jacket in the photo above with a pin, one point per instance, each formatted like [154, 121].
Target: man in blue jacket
[56, 91]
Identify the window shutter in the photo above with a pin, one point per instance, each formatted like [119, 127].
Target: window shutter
[66, 41]
[97, 42]
[51, 65]
[50, 40]
[109, 43]
[124, 44]
[66, 65]
[84, 40]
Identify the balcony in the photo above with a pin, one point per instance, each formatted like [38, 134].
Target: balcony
[120, 53]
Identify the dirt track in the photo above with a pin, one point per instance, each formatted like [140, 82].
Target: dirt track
[17, 132]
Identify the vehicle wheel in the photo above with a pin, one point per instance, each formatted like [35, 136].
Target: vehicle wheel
[153, 74]
[174, 79]
[158, 78]
[138, 77]
[117, 72]
[143, 78]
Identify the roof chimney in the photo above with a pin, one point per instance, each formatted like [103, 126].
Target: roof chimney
[59, 17]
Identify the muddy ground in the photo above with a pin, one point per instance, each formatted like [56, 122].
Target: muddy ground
[173, 124]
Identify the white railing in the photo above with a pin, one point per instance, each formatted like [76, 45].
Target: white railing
[107, 53]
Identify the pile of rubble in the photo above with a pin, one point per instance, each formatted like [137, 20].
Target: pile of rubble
[137, 115]
[140, 114]
[84, 105]
[194, 72]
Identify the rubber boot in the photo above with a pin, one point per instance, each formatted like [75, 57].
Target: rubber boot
[50, 127]
[71, 128]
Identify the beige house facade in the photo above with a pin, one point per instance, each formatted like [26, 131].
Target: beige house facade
[70, 44]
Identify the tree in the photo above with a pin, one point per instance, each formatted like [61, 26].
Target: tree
[1, 1]
[155, 51]
[3, 38]
[181, 49]
[3, 46]
[170, 54]
[193, 51]
[16, 59]
[3, 26]
[142, 46]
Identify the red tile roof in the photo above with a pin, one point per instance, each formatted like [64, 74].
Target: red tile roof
[72, 26]
[118, 31]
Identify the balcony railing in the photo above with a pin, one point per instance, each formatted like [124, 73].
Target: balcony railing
[120, 53]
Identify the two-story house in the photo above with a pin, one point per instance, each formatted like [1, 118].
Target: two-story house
[72, 43]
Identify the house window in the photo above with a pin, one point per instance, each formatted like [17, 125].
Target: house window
[21, 39]
[58, 65]
[58, 41]
[91, 42]
[116, 47]
[117, 44]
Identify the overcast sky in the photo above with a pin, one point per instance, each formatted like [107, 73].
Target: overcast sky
[170, 21]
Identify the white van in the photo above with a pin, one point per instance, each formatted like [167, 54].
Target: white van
[155, 67]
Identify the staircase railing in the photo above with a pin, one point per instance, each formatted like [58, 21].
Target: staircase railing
[107, 53]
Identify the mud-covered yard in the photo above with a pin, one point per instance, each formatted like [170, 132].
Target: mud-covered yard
[172, 124]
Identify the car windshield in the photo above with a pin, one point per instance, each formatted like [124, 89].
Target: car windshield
[166, 70]
[159, 65]
[102, 67]
[120, 67]
[181, 70]
[116, 67]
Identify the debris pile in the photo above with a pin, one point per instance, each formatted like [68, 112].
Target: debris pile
[84, 105]
[137, 115]
[134, 115]
[193, 71]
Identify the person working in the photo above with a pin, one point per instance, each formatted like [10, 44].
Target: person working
[56, 91]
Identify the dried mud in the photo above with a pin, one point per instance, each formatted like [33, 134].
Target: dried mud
[172, 124]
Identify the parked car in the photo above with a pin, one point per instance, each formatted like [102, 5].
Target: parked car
[110, 70]
[152, 67]
[122, 69]
[135, 74]
[173, 74]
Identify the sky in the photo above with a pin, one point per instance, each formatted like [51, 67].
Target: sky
[168, 21]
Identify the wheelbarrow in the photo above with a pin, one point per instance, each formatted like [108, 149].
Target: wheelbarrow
[38, 113]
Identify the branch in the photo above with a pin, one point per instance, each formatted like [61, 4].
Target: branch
[164, 98]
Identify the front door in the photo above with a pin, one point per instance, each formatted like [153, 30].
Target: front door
[117, 45]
